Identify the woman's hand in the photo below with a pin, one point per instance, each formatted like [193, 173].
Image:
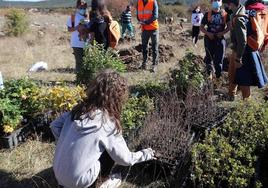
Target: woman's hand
[238, 63]
[149, 154]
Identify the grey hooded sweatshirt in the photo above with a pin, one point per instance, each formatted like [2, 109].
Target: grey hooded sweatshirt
[80, 145]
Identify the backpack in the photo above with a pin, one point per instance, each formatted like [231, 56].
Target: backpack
[114, 33]
[257, 28]
[223, 14]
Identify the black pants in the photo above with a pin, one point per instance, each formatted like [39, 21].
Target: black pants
[215, 51]
[78, 55]
[195, 33]
[107, 164]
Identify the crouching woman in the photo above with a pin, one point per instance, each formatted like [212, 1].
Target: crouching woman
[89, 138]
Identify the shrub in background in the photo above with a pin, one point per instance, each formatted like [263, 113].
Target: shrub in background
[59, 99]
[188, 74]
[16, 22]
[150, 89]
[135, 111]
[96, 59]
[10, 116]
[23, 93]
[228, 154]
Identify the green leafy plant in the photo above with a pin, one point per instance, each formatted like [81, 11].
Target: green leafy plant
[96, 59]
[188, 74]
[135, 111]
[150, 89]
[16, 22]
[59, 99]
[24, 93]
[10, 116]
[228, 154]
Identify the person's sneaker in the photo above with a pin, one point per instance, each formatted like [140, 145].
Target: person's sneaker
[154, 68]
[210, 77]
[113, 182]
[218, 83]
[230, 98]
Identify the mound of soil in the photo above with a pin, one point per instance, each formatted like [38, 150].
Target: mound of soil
[133, 56]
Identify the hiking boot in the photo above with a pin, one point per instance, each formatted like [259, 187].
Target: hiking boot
[114, 181]
[143, 66]
[210, 77]
[230, 98]
[218, 83]
[154, 68]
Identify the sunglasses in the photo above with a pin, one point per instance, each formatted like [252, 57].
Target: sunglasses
[216, 0]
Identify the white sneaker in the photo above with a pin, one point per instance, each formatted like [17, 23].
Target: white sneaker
[113, 182]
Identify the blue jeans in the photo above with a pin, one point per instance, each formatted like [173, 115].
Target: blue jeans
[145, 36]
[127, 27]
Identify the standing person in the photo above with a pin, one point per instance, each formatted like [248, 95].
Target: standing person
[216, 21]
[89, 138]
[73, 24]
[147, 14]
[100, 18]
[245, 68]
[126, 18]
[197, 17]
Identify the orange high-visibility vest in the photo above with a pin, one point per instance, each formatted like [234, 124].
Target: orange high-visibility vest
[145, 13]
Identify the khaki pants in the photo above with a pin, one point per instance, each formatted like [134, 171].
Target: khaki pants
[231, 75]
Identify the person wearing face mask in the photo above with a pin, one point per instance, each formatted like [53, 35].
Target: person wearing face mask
[72, 23]
[197, 17]
[215, 25]
[245, 67]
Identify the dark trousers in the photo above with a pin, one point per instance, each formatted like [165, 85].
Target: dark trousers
[195, 33]
[215, 51]
[78, 54]
[154, 36]
[107, 164]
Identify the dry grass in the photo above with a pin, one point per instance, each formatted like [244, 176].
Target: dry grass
[27, 165]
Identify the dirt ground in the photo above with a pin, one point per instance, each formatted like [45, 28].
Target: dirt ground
[29, 165]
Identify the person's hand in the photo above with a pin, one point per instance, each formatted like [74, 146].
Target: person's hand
[238, 63]
[149, 154]
[142, 23]
[210, 35]
[220, 34]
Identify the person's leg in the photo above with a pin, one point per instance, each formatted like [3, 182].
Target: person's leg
[197, 34]
[124, 28]
[245, 92]
[231, 75]
[155, 46]
[193, 33]
[209, 56]
[107, 164]
[219, 56]
[78, 54]
[130, 29]
[145, 36]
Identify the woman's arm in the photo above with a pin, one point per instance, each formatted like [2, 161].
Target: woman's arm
[57, 125]
[117, 148]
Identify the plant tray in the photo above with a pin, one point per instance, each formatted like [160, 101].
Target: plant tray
[15, 137]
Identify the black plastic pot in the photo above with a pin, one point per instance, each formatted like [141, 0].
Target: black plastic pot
[15, 137]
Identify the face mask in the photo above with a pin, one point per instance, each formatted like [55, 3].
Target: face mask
[82, 12]
[216, 4]
[197, 10]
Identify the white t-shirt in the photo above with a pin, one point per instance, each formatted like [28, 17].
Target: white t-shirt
[197, 18]
[75, 42]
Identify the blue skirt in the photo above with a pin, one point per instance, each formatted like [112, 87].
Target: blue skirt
[252, 72]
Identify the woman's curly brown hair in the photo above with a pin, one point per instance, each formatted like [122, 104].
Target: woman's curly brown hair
[107, 92]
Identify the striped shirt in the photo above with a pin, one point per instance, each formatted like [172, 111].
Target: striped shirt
[126, 17]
